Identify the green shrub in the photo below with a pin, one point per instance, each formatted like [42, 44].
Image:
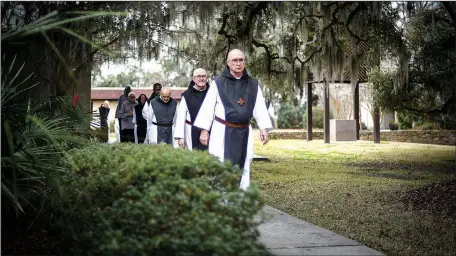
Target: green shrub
[318, 115]
[427, 126]
[290, 116]
[128, 199]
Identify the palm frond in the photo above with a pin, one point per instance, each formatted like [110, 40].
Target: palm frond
[35, 139]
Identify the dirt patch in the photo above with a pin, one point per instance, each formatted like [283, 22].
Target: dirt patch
[437, 197]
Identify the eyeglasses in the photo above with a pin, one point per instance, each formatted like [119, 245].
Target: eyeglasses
[240, 61]
[200, 76]
[131, 97]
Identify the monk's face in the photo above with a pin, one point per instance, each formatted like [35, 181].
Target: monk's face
[200, 80]
[165, 95]
[236, 62]
[131, 98]
[157, 89]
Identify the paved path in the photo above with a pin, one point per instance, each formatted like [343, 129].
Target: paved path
[284, 234]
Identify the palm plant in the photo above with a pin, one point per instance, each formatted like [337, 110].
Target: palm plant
[35, 138]
[33, 142]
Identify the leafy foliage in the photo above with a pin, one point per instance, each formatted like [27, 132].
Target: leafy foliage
[290, 116]
[35, 137]
[429, 91]
[318, 114]
[383, 85]
[32, 142]
[147, 204]
[427, 126]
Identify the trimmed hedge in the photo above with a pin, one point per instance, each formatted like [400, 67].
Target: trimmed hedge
[127, 199]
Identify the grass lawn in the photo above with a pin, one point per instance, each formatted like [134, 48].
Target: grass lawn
[377, 194]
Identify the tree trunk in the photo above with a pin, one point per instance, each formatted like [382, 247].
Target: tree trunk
[376, 125]
[356, 109]
[309, 111]
[326, 110]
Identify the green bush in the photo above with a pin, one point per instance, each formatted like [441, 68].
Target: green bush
[427, 126]
[318, 114]
[290, 116]
[127, 199]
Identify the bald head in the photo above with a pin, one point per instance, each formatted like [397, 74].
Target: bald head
[236, 62]
[165, 94]
[165, 90]
[233, 54]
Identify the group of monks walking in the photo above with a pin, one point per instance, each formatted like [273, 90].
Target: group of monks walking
[214, 117]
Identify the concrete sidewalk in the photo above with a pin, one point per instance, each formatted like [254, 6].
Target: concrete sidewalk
[284, 234]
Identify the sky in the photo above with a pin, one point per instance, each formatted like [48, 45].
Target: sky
[109, 68]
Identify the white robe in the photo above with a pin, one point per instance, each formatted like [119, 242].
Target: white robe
[213, 106]
[116, 129]
[182, 129]
[151, 134]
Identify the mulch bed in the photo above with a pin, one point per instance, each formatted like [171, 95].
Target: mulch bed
[439, 198]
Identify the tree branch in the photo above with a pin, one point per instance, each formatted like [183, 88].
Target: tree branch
[309, 58]
[251, 16]
[451, 11]
[303, 18]
[222, 30]
[268, 54]
[105, 46]
[350, 18]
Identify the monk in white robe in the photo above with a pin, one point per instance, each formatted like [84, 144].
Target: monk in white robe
[231, 101]
[185, 132]
[160, 114]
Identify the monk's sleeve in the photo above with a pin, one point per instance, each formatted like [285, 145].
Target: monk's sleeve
[119, 105]
[205, 115]
[134, 116]
[123, 114]
[260, 112]
[180, 119]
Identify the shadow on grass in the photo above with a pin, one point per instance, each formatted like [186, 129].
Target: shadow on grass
[448, 167]
[376, 174]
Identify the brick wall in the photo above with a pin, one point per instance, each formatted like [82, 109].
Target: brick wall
[440, 137]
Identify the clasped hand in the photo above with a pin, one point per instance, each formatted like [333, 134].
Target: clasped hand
[204, 137]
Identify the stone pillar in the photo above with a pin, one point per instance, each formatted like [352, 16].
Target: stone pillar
[309, 111]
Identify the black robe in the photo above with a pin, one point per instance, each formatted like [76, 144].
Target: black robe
[104, 112]
[141, 123]
[194, 99]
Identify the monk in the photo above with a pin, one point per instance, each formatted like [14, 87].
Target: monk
[186, 133]
[231, 101]
[160, 113]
